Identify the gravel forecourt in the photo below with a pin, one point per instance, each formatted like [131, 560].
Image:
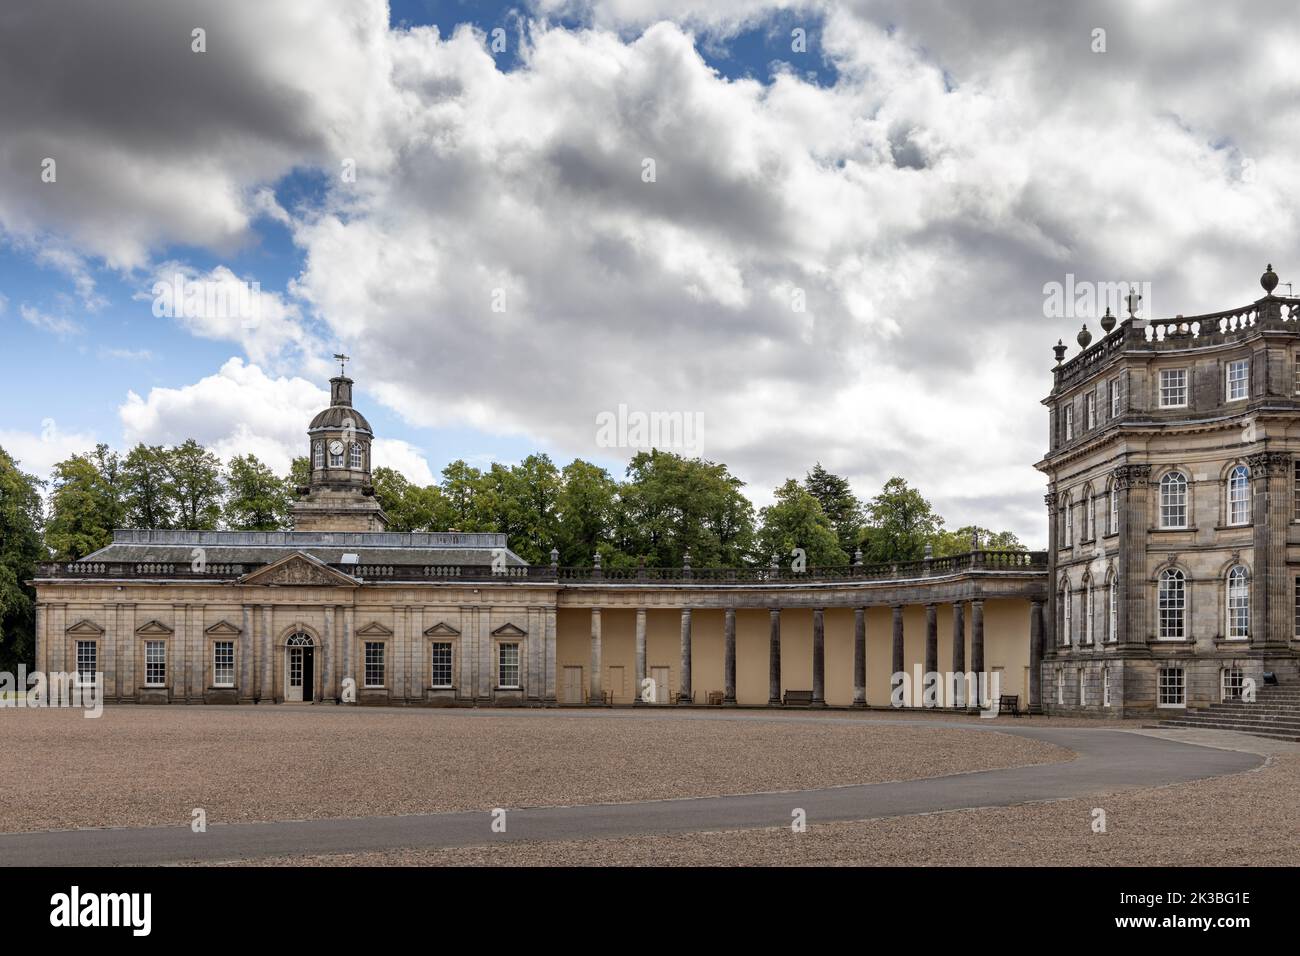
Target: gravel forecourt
[142, 766]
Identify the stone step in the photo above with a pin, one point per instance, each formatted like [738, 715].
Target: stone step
[1234, 724]
[1183, 724]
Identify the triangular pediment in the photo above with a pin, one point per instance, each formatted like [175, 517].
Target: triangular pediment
[508, 630]
[85, 627]
[154, 628]
[441, 629]
[222, 629]
[374, 629]
[298, 569]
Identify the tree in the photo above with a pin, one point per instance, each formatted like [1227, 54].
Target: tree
[587, 503]
[20, 550]
[840, 505]
[144, 488]
[194, 486]
[947, 543]
[796, 521]
[900, 522]
[83, 509]
[299, 473]
[257, 498]
[525, 499]
[459, 488]
[409, 507]
[672, 504]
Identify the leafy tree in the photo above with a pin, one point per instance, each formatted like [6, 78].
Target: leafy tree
[299, 473]
[144, 488]
[947, 543]
[900, 522]
[796, 520]
[20, 550]
[671, 504]
[460, 484]
[525, 498]
[840, 505]
[257, 499]
[83, 509]
[587, 504]
[194, 486]
[409, 507]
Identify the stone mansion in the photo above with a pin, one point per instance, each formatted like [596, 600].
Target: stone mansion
[1172, 575]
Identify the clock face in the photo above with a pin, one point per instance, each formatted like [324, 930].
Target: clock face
[336, 447]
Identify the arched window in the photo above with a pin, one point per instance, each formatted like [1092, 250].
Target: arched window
[1089, 515]
[1065, 613]
[1239, 495]
[1114, 508]
[1087, 610]
[1172, 604]
[1173, 500]
[1112, 609]
[318, 455]
[354, 455]
[1067, 526]
[1238, 603]
[1105, 687]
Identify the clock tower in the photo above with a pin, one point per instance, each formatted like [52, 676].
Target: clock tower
[340, 496]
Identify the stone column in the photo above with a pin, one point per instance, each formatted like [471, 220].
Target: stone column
[1270, 601]
[246, 689]
[268, 671]
[1035, 657]
[348, 665]
[1053, 519]
[176, 654]
[729, 657]
[594, 695]
[959, 651]
[487, 680]
[932, 645]
[819, 658]
[640, 655]
[900, 664]
[685, 689]
[859, 657]
[550, 655]
[322, 688]
[1132, 482]
[774, 658]
[977, 645]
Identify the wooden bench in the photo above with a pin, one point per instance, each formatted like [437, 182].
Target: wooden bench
[1011, 703]
[798, 698]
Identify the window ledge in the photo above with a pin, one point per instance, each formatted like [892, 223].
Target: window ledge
[1192, 527]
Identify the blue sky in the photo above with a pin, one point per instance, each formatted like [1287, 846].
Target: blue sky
[836, 255]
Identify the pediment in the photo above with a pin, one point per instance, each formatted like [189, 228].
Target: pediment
[374, 629]
[85, 627]
[441, 629]
[299, 569]
[509, 630]
[154, 628]
[222, 629]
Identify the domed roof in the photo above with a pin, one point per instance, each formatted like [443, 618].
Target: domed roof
[341, 416]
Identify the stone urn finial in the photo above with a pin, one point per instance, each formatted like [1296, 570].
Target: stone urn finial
[1107, 321]
[1085, 337]
[1059, 349]
[857, 558]
[1268, 280]
[555, 556]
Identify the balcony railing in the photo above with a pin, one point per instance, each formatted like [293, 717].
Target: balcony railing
[984, 561]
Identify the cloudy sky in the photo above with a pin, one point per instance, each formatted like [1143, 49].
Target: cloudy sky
[840, 256]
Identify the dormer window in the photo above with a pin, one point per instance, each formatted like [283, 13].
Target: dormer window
[354, 456]
[318, 455]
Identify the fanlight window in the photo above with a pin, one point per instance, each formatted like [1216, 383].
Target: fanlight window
[299, 640]
[1238, 603]
[1172, 604]
[1173, 500]
[1239, 495]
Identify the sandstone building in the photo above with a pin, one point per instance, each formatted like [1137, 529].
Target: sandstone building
[1171, 575]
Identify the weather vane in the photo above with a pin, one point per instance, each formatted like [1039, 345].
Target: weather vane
[341, 359]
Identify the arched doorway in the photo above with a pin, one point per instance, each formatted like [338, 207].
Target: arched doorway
[299, 668]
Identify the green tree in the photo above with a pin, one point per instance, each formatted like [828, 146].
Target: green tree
[900, 522]
[460, 485]
[194, 486]
[299, 473]
[408, 507]
[840, 505]
[81, 510]
[20, 550]
[671, 504]
[796, 520]
[144, 488]
[587, 505]
[257, 499]
[947, 543]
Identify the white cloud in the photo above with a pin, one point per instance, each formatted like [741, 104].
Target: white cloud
[54, 324]
[38, 454]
